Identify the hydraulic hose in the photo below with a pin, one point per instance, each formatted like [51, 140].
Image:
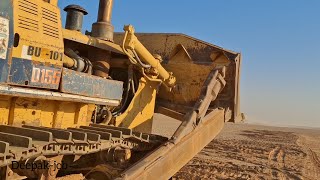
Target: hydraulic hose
[123, 106]
[147, 66]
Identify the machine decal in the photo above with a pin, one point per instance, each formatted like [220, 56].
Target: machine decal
[4, 37]
[45, 75]
[34, 74]
[32, 51]
[24, 53]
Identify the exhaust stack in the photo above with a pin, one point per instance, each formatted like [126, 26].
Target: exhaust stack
[103, 28]
[75, 15]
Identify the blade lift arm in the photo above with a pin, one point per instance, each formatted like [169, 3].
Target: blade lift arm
[211, 88]
[133, 47]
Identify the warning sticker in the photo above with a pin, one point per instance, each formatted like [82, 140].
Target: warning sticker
[4, 37]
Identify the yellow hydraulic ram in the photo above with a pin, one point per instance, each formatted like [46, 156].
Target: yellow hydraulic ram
[132, 43]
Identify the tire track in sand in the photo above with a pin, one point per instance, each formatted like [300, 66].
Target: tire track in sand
[315, 160]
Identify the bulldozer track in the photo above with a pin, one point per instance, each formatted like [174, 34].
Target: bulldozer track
[21, 143]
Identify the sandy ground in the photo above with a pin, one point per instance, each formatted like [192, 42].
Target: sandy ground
[244, 151]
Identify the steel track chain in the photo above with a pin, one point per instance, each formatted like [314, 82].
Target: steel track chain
[21, 143]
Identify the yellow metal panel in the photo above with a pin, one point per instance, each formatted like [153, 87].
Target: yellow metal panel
[69, 113]
[24, 111]
[47, 113]
[4, 109]
[82, 117]
[190, 78]
[38, 24]
[141, 108]
[58, 116]
[53, 2]
[19, 111]
[84, 39]
[72, 115]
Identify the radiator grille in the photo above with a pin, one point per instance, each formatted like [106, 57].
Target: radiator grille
[36, 18]
[28, 23]
[49, 15]
[50, 31]
[52, 18]
[28, 7]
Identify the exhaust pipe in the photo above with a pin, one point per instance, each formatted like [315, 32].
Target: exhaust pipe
[75, 15]
[103, 28]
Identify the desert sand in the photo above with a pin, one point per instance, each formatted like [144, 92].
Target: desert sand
[246, 151]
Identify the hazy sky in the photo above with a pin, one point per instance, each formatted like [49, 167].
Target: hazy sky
[279, 41]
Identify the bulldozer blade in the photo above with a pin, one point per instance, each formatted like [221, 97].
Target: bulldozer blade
[191, 60]
[164, 162]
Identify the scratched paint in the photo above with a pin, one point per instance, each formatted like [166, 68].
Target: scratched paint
[74, 82]
[27, 73]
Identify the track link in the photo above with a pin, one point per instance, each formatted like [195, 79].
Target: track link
[21, 143]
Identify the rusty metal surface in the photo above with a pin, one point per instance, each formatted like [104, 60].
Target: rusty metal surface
[103, 28]
[22, 73]
[75, 15]
[92, 86]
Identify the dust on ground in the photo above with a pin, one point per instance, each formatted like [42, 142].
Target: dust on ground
[244, 151]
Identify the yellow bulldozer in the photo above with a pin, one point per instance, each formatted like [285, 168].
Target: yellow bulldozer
[83, 103]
